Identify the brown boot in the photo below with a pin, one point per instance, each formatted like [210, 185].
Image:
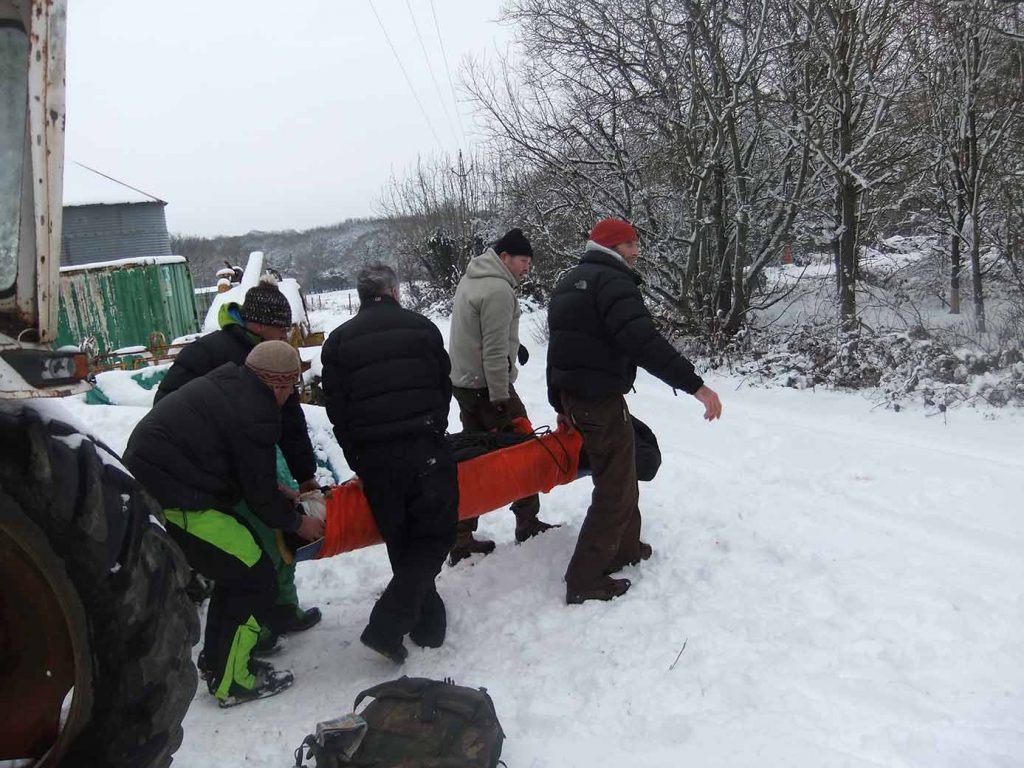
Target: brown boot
[466, 546]
[530, 527]
[606, 589]
[646, 550]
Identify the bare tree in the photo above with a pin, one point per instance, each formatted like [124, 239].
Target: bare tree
[442, 212]
[973, 83]
[665, 114]
[855, 50]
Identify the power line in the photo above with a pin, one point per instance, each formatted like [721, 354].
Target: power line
[406, 76]
[118, 181]
[430, 69]
[444, 55]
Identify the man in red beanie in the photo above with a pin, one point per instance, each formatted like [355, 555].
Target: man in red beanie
[600, 331]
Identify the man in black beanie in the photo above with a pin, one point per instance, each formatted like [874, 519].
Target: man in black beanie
[484, 347]
[265, 315]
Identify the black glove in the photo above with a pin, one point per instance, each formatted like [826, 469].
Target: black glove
[502, 418]
[523, 355]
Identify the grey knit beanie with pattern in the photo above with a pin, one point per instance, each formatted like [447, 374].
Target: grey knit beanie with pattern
[276, 363]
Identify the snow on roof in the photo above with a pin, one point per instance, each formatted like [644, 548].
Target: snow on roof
[139, 261]
[85, 186]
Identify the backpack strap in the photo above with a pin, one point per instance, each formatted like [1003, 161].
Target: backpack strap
[428, 704]
[408, 688]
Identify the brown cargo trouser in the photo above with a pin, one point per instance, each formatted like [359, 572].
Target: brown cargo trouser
[610, 536]
[478, 414]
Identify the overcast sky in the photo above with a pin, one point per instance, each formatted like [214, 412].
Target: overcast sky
[251, 114]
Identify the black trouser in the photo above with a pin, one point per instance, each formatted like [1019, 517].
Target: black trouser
[222, 548]
[478, 414]
[610, 535]
[413, 491]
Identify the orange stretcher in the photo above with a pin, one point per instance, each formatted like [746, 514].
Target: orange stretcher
[486, 482]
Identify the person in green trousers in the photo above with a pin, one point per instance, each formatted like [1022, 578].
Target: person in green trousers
[264, 315]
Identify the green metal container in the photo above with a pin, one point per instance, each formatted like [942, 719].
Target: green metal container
[122, 303]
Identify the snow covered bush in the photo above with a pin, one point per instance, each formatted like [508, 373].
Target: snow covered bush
[913, 365]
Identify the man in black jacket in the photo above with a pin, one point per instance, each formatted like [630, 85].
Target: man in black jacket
[265, 315]
[387, 388]
[201, 452]
[600, 330]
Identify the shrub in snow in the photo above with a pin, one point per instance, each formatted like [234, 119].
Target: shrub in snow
[911, 365]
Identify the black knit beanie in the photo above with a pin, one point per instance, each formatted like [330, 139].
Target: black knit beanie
[514, 243]
[264, 303]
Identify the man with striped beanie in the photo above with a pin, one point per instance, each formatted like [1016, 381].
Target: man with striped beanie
[264, 316]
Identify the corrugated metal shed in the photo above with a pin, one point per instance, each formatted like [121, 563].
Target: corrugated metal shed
[105, 218]
[101, 232]
[121, 303]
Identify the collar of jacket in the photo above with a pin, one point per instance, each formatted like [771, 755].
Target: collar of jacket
[230, 313]
[598, 254]
[379, 301]
[229, 316]
[241, 334]
[489, 264]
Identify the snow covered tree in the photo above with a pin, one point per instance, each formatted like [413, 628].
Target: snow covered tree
[972, 77]
[854, 56]
[441, 215]
[665, 114]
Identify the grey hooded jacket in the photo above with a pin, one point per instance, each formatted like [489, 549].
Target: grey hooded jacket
[484, 336]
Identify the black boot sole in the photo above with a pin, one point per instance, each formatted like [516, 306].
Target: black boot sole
[617, 588]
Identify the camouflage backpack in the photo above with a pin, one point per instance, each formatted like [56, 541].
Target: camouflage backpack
[414, 722]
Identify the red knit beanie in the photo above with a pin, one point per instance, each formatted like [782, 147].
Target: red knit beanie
[612, 232]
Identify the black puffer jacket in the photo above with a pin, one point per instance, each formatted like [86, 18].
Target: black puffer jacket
[600, 331]
[232, 344]
[211, 445]
[386, 375]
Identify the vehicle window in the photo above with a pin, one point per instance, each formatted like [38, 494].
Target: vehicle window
[13, 103]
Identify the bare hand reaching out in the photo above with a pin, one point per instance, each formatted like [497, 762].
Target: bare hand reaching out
[712, 405]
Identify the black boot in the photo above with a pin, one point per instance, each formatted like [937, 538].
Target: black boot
[268, 682]
[607, 589]
[432, 624]
[388, 649]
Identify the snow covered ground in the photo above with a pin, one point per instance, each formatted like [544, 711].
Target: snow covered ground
[832, 584]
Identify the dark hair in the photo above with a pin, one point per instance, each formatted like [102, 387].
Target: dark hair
[375, 280]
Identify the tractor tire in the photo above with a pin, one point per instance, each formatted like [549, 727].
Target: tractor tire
[103, 530]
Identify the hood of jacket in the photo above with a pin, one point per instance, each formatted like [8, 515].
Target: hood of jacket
[600, 254]
[489, 264]
[229, 314]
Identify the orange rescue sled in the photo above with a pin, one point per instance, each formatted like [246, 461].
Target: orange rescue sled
[486, 482]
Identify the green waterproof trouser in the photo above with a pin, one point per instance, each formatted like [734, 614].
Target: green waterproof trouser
[266, 538]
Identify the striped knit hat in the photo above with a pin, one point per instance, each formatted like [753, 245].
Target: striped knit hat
[276, 363]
